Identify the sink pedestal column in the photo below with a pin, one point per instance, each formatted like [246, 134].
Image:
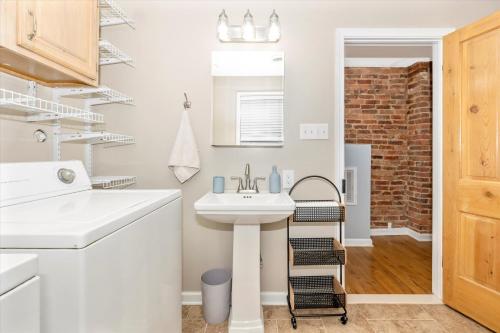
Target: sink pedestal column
[246, 310]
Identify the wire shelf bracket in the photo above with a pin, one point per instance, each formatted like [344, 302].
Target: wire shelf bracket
[110, 182]
[112, 14]
[97, 138]
[110, 54]
[95, 96]
[38, 109]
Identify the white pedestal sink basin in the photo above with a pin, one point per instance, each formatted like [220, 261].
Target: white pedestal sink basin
[247, 212]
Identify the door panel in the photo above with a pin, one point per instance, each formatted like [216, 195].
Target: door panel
[65, 32]
[478, 197]
[471, 258]
[478, 262]
[480, 84]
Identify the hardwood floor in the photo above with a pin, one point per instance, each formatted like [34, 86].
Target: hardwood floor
[394, 265]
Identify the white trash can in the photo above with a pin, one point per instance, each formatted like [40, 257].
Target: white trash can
[216, 295]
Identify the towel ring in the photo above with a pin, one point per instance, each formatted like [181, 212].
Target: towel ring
[187, 103]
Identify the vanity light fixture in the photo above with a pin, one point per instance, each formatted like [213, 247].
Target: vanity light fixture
[248, 32]
[223, 27]
[274, 32]
[248, 27]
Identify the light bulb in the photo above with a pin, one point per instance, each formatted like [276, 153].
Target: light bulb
[223, 26]
[248, 27]
[274, 32]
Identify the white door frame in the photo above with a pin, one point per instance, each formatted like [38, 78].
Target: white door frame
[411, 36]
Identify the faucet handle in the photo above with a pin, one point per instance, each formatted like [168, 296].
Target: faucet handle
[256, 183]
[240, 183]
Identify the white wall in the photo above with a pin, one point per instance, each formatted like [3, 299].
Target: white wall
[172, 47]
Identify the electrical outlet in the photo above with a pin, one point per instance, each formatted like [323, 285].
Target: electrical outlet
[288, 178]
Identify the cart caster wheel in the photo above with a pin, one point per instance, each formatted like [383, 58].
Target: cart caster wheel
[294, 323]
[344, 319]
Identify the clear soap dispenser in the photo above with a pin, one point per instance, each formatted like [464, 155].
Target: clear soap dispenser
[275, 181]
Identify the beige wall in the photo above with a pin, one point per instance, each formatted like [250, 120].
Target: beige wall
[16, 137]
[225, 94]
[172, 47]
[386, 51]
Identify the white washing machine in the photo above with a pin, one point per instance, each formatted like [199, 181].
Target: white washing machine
[19, 294]
[108, 260]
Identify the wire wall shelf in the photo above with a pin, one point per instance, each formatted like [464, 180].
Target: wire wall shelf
[97, 138]
[42, 110]
[110, 54]
[95, 95]
[112, 14]
[111, 182]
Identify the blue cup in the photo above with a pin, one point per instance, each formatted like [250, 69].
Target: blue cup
[218, 184]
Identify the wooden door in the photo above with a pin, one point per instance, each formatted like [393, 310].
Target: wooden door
[471, 258]
[65, 32]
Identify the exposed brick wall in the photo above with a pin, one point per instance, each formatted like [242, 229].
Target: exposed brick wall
[383, 108]
[419, 188]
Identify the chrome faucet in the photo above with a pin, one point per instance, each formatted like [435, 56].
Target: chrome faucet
[247, 176]
[247, 186]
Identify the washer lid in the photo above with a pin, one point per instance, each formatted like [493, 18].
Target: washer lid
[15, 269]
[78, 219]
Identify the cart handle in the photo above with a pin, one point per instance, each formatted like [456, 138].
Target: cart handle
[317, 177]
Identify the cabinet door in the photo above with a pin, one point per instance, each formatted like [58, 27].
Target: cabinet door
[65, 32]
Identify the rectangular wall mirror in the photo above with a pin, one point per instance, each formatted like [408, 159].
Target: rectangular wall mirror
[247, 101]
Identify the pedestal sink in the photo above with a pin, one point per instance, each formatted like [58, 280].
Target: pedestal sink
[247, 212]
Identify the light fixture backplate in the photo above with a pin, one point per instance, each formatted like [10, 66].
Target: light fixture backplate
[235, 35]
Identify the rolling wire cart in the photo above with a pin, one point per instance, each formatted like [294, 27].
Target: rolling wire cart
[318, 291]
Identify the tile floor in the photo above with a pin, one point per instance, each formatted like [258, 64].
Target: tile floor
[363, 318]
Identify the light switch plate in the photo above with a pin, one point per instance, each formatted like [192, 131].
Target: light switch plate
[307, 131]
[314, 131]
[288, 178]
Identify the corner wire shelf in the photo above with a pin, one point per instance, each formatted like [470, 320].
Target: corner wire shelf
[112, 182]
[97, 138]
[110, 54]
[95, 95]
[112, 14]
[313, 291]
[44, 110]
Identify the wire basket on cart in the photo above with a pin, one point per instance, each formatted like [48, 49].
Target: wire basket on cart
[316, 291]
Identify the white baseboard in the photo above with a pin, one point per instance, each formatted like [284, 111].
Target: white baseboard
[279, 298]
[401, 231]
[418, 236]
[361, 242]
[191, 297]
[266, 297]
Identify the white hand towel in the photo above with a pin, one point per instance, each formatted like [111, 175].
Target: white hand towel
[184, 159]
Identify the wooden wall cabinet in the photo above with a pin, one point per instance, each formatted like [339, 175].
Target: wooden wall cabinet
[52, 42]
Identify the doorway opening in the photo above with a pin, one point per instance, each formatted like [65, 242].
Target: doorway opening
[388, 163]
[385, 100]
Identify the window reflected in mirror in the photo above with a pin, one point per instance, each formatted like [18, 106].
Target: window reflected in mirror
[247, 105]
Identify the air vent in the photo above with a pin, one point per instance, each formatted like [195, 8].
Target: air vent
[351, 193]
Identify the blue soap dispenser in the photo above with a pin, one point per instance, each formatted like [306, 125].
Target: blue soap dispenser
[275, 181]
